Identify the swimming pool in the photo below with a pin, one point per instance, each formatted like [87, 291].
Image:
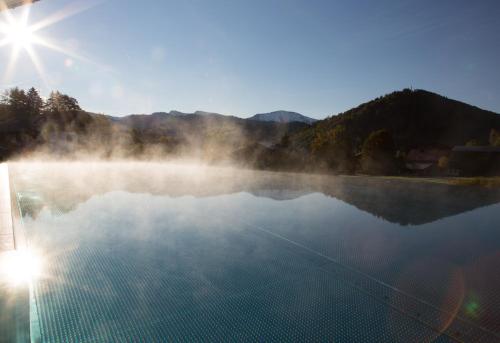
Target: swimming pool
[163, 252]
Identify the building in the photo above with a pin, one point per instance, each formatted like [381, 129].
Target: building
[425, 161]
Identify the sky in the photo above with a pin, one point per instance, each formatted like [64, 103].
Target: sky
[316, 57]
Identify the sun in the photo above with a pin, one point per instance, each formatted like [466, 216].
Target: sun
[19, 34]
[16, 31]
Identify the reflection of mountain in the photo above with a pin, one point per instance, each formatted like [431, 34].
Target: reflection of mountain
[410, 202]
[279, 194]
[404, 201]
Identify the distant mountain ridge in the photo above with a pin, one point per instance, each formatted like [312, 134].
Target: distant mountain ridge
[172, 113]
[283, 117]
[192, 128]
[276, 116]
[202, 129]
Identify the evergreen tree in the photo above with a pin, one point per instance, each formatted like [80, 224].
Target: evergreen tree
[378, 153]
[16, 99]
[334, 148]
[494, 138]
[58, 102]
[34, 102]
[17, 103]
[473, 142]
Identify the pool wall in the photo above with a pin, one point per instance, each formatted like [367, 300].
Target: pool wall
[14, 300]
[7, 242]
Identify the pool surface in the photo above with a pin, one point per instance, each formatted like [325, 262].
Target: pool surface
[144, 252]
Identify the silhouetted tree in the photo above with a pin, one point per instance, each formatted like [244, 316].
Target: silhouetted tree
[334, 148]
[58, 102]
[17, 103]
[473, 142]
[285, 141]
[494, 138]
[378, 153]
[15, 98]
[137, 141]
[444, 162]
[34, 102]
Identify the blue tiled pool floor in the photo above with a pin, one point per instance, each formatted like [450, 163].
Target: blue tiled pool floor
[133, 267]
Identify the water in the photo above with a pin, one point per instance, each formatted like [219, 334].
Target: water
[154, 252]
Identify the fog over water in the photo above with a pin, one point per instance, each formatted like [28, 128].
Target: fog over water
[153, 250]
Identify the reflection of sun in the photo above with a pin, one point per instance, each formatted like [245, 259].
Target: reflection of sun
[23, 36]
[20, 267]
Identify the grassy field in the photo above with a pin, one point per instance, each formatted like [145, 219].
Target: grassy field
[489, 182]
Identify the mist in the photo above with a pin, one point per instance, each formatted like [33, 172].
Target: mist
[379, 223]
[176, 235]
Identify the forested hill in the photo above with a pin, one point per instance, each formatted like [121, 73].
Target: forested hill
[196, 128]
[375, 137]
[414, 118]
[59, 127]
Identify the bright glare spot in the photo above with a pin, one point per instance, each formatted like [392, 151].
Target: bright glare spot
[20, 267]
[19, 34]
[68, 62]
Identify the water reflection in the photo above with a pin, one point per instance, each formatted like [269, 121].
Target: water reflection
[15, 276]
[258, 257]
[20, 267]
[407, 202]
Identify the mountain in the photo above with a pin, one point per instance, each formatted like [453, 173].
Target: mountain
[156, 117]
[199, 130]
[394, 125]
[283, 117]
[414, 118]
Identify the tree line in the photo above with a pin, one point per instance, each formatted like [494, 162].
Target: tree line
[29, 122]
[373, 138]
[28, 105]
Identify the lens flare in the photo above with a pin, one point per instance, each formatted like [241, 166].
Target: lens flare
[23, 36]
[20, 267]
[18, 34]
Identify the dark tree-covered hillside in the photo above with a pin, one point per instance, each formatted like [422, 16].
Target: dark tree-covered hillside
[374, 138]
[59, 127]
[415, 118]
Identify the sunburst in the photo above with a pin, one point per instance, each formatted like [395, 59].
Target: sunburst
[21, 36]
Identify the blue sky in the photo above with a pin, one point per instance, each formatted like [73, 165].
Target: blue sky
[245, 57]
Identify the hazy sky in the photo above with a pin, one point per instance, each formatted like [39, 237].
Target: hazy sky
[245, 57]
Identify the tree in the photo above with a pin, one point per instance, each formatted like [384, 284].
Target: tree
[285, 141]
[137, 142]
[378, 153]
[16, 99]
[494, 138]
[58, 102]
[473, 142]
[444, 162]
[34, 102]
[334, 148]
[17, 103]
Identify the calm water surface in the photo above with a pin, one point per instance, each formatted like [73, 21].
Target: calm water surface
[154, 252]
